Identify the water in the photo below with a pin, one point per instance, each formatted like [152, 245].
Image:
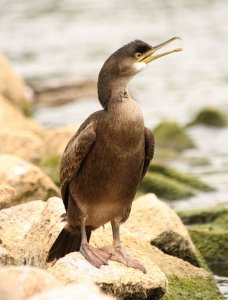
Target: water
[70, 39]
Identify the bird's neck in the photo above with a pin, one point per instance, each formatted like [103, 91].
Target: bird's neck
[111, 90]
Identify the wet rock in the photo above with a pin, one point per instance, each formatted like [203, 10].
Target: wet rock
[171, 135]
[154, 221]
[211, 116]
[21, 283]
[59, 93]
[11, 118]
[24, 144]
[209, 231]
[83, 291]
[7, 196]
[27, 179]
[13, 88]
[15, 223]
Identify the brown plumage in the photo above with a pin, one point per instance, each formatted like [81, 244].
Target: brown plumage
[105, 161]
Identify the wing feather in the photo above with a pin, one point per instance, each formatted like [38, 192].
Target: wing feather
[149, 149]
[76, 151]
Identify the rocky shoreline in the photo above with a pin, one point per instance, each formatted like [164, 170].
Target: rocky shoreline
[31, 216]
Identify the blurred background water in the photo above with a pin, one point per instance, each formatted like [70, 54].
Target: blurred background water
[70, 39]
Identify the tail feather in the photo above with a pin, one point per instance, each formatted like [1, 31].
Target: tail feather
[65, 243]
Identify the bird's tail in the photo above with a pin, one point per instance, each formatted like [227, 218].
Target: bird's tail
[67, 242]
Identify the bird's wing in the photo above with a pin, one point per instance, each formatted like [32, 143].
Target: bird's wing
[149, 149]
[76, 151]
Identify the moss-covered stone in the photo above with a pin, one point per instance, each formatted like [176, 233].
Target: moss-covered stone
[192, 289]
[209, 231]
[212, 242]
[216, 214]
[171, 135]
[164, 155]
[187, 179]
[211, 116]
[50, 165]
[165, 187]
[170, 184]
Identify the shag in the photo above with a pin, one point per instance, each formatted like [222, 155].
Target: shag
[106, 159]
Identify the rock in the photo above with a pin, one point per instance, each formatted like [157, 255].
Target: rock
[60, 93]
[24, 144]
[56, 140]
[47, 229]
[7, 196]
[74, 269]
[154, 221]
[6, 258]
[171, 135]
[13, 88]
[11, 118]
[15, 223]
[126, 283]
[28, 180]
[83, 291]
[115, 279]
[21, 283]
[211, 116]
[209, 231]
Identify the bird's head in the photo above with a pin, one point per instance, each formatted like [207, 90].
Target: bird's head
[133, 57]
[127, 61]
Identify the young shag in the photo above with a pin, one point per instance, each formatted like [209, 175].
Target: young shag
[106, 159]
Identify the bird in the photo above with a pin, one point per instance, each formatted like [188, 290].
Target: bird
[106, 159]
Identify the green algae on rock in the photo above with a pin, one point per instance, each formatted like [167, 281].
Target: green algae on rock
[170, 134]
[201, 216]
[165, 187]
[50, 165]
[169, 235]
[209, 231]
[187, 179]
[192, 289]
[212, 242]
[210, 116]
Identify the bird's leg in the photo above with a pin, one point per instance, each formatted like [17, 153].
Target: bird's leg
[118, 253]
[95, 256]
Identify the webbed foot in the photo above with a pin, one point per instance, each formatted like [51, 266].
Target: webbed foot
[96, 257]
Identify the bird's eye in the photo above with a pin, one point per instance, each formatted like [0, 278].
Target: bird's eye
[138, 55]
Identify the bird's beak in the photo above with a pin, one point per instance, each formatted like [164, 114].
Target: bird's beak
[149, 56]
